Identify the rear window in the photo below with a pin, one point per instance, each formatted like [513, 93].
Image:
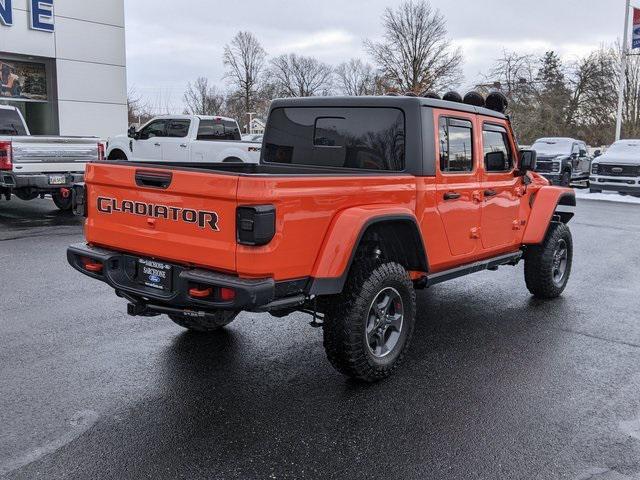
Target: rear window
[359, 138]
[218, 129]
[11, 123]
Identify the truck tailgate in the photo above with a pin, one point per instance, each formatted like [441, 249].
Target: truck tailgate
[177, 215]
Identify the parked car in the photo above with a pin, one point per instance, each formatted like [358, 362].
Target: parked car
[184, 139]
[562, 160]
[618, 169]
[33, 166]
[356, 202]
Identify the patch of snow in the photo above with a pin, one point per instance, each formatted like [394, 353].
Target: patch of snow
[606, 196]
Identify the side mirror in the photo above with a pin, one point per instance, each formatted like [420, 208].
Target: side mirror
[583, 153]
[528, 160]
[132, 133]
[597, 153]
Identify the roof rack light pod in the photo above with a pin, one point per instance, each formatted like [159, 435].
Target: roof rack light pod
[432, 95]
[475, 99]
[497, 102]
[452, 97]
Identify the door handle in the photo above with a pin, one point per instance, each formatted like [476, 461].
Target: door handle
[451, 196]
[183, 145]
[490, 193]
[157, 144]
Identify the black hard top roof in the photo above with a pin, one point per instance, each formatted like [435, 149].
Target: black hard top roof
[382, 101]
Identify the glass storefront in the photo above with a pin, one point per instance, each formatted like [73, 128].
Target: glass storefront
[28, 83]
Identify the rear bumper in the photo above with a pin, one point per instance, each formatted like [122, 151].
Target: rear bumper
[119, 271]
[37, 181]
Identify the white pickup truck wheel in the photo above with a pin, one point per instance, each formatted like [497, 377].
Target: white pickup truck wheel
[63, 203]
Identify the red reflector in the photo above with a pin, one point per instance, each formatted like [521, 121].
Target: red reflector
[200, 292]
[65, 192]
[92, 265]
[100, 151]
[227, 294]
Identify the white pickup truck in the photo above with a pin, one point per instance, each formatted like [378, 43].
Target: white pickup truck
[34, 166]
[184, 139]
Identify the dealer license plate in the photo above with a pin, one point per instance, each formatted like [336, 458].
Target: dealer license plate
[154, 274]
[57, 179]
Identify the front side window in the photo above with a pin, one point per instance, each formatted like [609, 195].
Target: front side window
[178, 128]
[357, 138]
[154, 129]
[456, 145]
[498, 156]
[218, 129]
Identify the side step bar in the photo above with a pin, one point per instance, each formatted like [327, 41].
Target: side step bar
[488, 264]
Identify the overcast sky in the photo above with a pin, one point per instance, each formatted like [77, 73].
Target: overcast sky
[170, 42]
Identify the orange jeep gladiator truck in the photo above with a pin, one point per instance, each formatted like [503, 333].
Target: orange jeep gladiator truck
[355, 204]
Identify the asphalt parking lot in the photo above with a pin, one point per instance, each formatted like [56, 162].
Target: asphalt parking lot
[496, 385]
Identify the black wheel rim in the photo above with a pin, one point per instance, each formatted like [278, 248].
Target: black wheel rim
[384, 322]
[560, 261]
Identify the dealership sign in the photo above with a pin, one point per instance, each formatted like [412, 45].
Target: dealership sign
[40, 15]
[636, 28]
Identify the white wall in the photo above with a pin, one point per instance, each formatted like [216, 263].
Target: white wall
[89, 47]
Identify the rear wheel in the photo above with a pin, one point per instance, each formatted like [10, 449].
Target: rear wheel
[62, 202]
[547, 267]
[212, 323]
[368, 328]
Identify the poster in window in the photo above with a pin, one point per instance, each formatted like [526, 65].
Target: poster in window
[22, 80]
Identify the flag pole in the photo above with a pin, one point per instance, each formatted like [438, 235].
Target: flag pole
[623, 70]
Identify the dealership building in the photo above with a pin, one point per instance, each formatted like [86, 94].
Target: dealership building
[63, 64]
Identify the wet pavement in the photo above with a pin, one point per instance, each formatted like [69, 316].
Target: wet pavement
[496, 385]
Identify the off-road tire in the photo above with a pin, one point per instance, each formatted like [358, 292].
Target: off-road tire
[565, 179]
[539, 263]
[345, 322]
[62, 203]
[205, 325]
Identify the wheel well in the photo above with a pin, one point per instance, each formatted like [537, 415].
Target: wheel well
[232, 160]
[565, 214]
[396, 241]
[117, 154]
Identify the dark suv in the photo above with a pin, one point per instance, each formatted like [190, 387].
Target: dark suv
[562, 160]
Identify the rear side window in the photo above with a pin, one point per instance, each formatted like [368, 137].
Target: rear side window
[178, 128]
[495, 141]
[456, 145]
[218, 129]
[11, 123]
[358, 138]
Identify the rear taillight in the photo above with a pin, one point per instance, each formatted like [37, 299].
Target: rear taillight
[100, 151]
[6, 160]
[256, 225]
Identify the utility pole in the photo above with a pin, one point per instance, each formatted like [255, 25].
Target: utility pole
[623, 70]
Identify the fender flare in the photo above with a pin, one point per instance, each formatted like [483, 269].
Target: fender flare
[546, 203]
[343, 237]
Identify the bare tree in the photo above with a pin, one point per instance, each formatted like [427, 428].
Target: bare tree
[201, 98]
[245, 61]
[356, 78]
[415, 54]
[298, 76]
[137, 109]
